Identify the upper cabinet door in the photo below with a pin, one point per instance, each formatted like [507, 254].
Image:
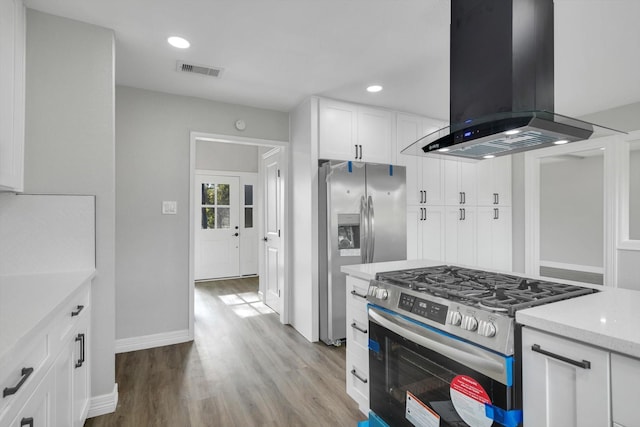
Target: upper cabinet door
[408, 130]
[12, 51]
[494, 181]
[375, 135]
[338, 127]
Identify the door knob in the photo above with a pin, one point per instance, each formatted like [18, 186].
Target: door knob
[235, 234]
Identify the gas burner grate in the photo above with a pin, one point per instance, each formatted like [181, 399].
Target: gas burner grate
[490, 291]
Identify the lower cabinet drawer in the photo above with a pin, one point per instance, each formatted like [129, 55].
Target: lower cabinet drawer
[357, 334]
[22, 373]
[38, 411]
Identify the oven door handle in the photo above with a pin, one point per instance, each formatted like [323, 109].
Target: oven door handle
[483, 361]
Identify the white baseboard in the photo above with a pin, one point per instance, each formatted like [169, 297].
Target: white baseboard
[103, 404]
[572, 267]
[150, 341]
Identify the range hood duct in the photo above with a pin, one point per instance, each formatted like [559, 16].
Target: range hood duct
[502, 89]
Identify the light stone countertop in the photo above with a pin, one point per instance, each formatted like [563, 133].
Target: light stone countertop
[609, 319]
[29, 301]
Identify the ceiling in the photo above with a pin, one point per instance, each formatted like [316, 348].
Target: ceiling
[275, 53]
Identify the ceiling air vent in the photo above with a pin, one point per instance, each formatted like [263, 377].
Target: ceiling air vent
[198, 69]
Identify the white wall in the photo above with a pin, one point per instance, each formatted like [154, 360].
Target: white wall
[221, 156]
[571, 211]
[634, 193]
[152, 164]
[70, 148]
[303, 273]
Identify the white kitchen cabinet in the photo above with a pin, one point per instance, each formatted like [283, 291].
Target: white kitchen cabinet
[494, 237]
[39, 409]
[355, 132]
[49, 371]
[565, 383]
[12, 112]
[424, 174]
[357, 360]
[425, 232]
[625, 378]
[460, 183]
[494, 181]
[460, 235]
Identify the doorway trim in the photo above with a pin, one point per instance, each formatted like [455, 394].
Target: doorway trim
[194, 137]
[532, 202]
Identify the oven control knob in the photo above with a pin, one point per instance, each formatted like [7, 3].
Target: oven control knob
[486, 329]
[382, 293]
[454, 318]
[469, 323]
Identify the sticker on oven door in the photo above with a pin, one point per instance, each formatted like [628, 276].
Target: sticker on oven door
[469, 398]
[419, 414]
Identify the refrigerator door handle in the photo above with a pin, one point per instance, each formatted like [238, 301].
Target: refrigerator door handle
[364, 230]
[372, 230]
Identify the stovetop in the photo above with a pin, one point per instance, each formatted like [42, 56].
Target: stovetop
[495, 292]
[474, 305]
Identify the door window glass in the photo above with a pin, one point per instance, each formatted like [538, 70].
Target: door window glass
[215, 206]
[248, 206]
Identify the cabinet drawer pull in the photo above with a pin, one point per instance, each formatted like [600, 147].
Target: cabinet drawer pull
[584, 364]
[355, 374]
[80, 361]
[358, 295]
[358, 328]
[77, 310]
[26, 422]
[460, 197]
[8, 391]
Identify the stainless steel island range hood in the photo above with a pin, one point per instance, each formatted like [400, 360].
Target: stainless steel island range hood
[502, 89]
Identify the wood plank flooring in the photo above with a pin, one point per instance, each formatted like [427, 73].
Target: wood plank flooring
[243, 369]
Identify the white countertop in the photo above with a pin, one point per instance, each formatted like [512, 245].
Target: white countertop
[609, 319]
[28, 301]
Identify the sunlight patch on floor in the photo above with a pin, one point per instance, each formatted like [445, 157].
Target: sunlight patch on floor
[246, 304]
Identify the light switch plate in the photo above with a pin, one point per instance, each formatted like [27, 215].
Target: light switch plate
[169, 207]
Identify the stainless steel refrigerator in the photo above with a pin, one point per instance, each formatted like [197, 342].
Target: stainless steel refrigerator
[362, 220]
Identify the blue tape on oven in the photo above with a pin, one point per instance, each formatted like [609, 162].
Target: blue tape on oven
[374, 345]
[375, 421]
[509, 362]
[390, 170]
[349, 166]
[511, 418]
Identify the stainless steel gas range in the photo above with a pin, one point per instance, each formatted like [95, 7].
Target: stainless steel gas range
[443, 344]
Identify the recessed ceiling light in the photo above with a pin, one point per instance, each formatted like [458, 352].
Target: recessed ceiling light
[560, 142]
[443, 150]
[374, 88]
[178, 42]
[488, 156]
[512, 132]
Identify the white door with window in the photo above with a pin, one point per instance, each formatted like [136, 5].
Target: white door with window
[217, 244]
[274, 260]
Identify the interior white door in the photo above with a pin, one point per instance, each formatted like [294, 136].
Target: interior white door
[274, 262]
[217, 248]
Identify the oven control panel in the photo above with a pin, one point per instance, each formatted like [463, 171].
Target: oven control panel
[427, 309]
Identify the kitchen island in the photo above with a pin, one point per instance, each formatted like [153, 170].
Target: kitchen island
[580, 356]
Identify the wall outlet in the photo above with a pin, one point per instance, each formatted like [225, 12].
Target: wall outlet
[169, 207]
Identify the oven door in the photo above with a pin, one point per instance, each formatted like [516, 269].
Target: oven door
[424, 377]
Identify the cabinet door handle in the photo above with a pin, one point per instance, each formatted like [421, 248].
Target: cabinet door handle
[464, 197]
[497, 198]
[77, 310]
[8, 391]
[356, 145]
[460, 214]
[584, 364]
[358, 328]
[26, 422]
[355, 374]
[464, 214]
[425, 213]
[80, 361]
[460, 197]
[354, 293]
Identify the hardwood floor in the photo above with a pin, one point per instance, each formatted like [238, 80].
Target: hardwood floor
[243, 369]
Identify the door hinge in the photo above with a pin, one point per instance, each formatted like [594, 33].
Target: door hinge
[278, 173]
[278, 233]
